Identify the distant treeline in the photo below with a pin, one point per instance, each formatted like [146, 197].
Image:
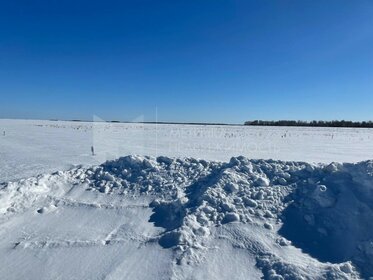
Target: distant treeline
[343, 123]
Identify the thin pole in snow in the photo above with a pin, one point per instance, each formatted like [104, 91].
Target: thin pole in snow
[156, 131]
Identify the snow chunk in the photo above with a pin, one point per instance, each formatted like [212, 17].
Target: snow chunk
[347, 268]
[333, 167]
[268, 226]
[250, 202]
[282, 181]
[263, 182]
[231, 217]
[231, 187]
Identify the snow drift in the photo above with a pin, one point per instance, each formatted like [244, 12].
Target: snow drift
[220, 220]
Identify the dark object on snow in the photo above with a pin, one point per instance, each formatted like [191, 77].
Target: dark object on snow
[342, 123]
[93, 151]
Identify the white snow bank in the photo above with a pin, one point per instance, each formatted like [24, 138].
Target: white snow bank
[293, 220]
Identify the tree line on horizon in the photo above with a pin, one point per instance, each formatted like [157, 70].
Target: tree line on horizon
[314, 123]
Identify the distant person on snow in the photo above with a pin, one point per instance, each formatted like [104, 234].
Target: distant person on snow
[93, 150]
[4, 133]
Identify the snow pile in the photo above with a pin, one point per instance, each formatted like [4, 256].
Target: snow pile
[332, 212]
[16, 196]
[295, 220]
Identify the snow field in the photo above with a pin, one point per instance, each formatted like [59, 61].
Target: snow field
[193, 216]
[33, 147]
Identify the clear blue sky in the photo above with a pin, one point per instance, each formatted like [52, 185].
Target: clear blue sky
[199, 61]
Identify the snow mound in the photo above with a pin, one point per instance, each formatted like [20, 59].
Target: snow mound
[331, 214]
[296, 220]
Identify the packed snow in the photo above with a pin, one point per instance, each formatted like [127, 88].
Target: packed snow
[184, 214]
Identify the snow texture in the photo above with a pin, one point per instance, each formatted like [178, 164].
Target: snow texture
[33, 147]
[141, 217]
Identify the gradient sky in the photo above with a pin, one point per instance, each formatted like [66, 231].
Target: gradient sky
[196, 61]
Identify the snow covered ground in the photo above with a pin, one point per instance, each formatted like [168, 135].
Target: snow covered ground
[184, 209]
[35, 147]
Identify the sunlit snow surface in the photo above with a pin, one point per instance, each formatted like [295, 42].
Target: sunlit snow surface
[184, 209]
[33, 147]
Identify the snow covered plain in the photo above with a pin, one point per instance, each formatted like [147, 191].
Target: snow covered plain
[35, 147]
[183, 208]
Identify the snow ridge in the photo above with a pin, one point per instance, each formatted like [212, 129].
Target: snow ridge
[297, 220]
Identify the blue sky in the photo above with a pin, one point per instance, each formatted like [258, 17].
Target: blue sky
[197, 61]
